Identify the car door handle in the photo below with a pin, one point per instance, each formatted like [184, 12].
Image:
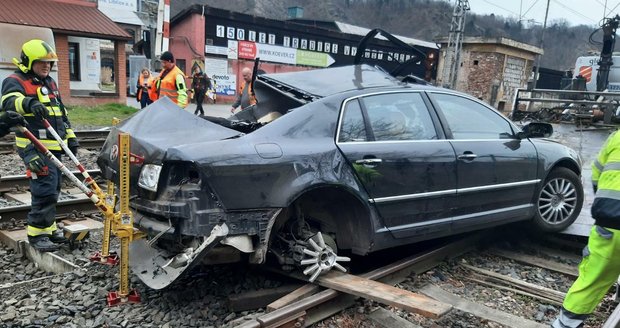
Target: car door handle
[467, 156]
[369, 161]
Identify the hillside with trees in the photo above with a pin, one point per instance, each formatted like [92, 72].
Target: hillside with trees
[425, 20]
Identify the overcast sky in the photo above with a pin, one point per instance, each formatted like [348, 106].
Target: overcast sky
[576, 12]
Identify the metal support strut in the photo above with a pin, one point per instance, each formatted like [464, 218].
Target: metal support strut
[122, 227]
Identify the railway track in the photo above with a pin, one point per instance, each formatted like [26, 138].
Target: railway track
[436, 274]
[15, 189]
[89, 139]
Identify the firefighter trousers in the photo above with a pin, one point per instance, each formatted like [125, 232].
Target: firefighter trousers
[45, 190]
[598, 271]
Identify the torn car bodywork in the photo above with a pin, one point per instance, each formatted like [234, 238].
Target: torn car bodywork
[350, 158]
[213, 173]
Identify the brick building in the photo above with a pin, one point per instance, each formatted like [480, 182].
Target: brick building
[223, 42]
[492, 68]
[77, 27]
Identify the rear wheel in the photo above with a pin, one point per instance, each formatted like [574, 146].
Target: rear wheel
[559, 201]
[299, 244]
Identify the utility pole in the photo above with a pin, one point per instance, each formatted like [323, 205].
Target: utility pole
[542, 38]
[452, 55]
[163, 27]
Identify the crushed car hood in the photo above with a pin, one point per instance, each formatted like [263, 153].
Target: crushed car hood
[155, 130]
[320, 83]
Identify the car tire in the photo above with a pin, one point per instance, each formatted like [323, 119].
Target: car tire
[559, 201]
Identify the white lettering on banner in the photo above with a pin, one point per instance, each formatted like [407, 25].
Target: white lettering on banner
[230, 32]
[276, 54]
[272, 39]
[220, 31]
[225, 84]
[252, 35]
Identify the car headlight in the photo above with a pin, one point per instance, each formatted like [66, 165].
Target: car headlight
[149, 176]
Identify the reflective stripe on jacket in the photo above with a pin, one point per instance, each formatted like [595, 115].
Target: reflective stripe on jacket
[606, 182]
[173, 86]
[18, 90]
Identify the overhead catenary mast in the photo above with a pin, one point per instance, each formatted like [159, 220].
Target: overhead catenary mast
[452, 54]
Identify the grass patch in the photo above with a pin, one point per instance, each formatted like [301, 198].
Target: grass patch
[100, 115]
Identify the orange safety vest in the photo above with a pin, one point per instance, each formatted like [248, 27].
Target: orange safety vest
[149, 81]
[250, 95]
[168, 85]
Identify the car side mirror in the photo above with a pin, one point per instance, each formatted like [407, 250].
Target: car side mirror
[535, 130]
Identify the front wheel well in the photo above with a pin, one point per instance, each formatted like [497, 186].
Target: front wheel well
[335, 211]
[566, 163]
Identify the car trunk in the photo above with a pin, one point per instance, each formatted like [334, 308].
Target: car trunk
[155, 130]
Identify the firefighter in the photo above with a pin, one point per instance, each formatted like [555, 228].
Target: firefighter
[599, 268]
[31, 92]
[171, 81]
[245, 95]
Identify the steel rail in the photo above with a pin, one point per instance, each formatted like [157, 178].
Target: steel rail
[11, 182]
[328, 302]
[63, 208]
[89, 139]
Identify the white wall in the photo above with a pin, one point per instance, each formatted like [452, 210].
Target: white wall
[12, 38]
[90, 64]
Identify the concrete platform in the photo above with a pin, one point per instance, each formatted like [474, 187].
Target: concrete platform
[50, 262]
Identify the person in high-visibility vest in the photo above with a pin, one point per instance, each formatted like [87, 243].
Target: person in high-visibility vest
[171, 81]
[600, 266]
[33, 93]
[145, 81]
[245, 94]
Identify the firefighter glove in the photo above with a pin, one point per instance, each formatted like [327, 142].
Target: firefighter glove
[73, 145]
[38, 109]
[11, 118]
[34, 162]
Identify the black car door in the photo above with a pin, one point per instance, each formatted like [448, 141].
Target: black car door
[496, 171]
[403, 161]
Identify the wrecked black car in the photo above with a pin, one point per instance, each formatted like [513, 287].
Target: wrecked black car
[346, 159]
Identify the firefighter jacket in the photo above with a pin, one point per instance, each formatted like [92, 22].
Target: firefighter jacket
[19, 91]
[250, 97]
[142, 90]
[171, 83]
[606, 183]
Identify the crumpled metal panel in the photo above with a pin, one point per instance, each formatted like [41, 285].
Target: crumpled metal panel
[324, 82]
[156, 129]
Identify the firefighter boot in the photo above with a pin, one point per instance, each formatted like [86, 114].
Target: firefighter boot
[42, 243]
[57, 237]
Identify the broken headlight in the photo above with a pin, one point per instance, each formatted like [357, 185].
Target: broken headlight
[149, 176]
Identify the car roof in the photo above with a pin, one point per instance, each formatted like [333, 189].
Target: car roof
[321, 83]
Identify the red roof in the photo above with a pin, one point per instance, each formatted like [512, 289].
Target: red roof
[78, 18]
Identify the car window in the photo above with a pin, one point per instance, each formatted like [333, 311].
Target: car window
[352, 128]
[399, 116]
[468, 119]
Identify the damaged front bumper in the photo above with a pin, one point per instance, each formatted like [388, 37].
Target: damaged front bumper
[179, 236]
[158, 271]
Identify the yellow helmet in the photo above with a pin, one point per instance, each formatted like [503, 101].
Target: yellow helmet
[37, 50]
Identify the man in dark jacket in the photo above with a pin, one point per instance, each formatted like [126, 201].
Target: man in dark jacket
[31, 92]
[200, 84]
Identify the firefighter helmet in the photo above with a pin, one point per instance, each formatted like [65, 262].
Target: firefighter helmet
[34, 50]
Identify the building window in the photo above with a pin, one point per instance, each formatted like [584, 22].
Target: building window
[181, 64]
[475, 63]
[74, 61]
[133, 36]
